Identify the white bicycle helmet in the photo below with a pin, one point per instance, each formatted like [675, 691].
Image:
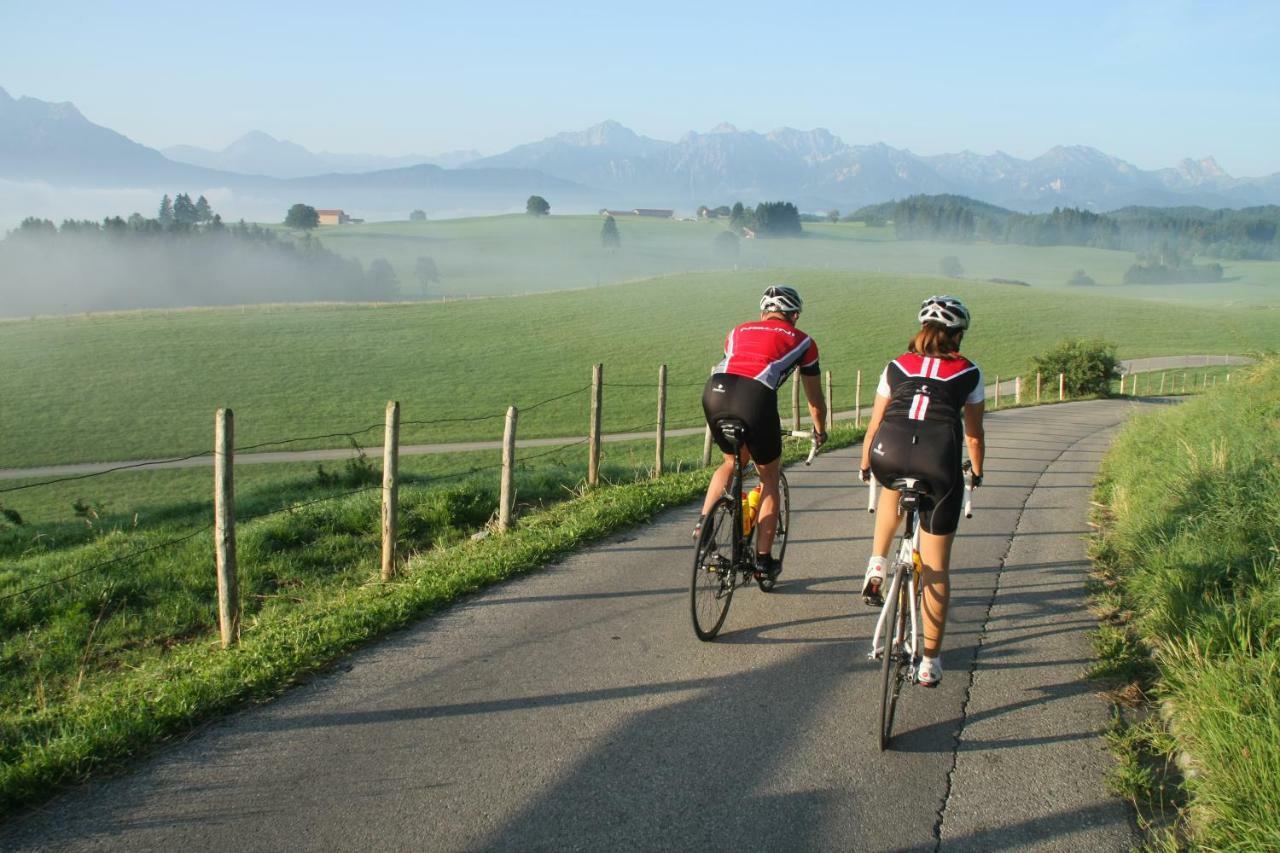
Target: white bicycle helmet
[781, 297]
[946, 310]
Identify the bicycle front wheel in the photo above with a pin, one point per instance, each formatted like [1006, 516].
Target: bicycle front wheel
[893, 657]
[711, 589]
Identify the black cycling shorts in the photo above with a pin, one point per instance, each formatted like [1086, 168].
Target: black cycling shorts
[928, 451]
[728, 395]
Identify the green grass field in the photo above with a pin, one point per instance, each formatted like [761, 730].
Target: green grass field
[521, 254]
[146, 384]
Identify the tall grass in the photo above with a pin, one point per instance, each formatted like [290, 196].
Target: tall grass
[1192, 539]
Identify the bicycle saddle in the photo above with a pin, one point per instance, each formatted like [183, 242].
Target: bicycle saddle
[910, 486]
[732, 429]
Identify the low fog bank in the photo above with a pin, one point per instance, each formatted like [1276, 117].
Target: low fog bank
[43, 271]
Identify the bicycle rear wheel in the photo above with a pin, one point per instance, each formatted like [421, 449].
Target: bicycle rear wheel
[893, 658]
[711, 589]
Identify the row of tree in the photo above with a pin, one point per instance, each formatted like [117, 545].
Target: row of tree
[140, 262]
[1249, 233]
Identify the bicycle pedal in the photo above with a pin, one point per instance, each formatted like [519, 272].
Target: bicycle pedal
[874, 599]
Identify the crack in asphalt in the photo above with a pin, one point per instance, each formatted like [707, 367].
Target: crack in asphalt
[982, 636]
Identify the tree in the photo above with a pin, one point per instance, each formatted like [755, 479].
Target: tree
[165, 216]
[1080, 278]
[609, 236]
[775, 219]
[725, 245]
[950, 267]
[537, 206]
[833, 215]
[381, 281]
[184, 211]
[425, 271]
[302, 216]
[418, 216]
[204, 213]
[737, 215]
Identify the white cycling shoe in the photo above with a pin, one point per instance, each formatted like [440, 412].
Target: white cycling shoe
[930, 672]
[873, 581]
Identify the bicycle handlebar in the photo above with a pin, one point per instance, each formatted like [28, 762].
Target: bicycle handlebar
[813, 443]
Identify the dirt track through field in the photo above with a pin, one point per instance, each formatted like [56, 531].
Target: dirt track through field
[574, 708]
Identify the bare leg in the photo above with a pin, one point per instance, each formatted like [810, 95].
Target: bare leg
[935, 552]
[720, 480]
[767, 519]
[887, 523]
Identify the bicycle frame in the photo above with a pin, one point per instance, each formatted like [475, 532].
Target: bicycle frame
[910, 562]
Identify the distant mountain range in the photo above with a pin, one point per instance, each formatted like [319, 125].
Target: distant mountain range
[817, 169]
[258, 153]
[605, 165]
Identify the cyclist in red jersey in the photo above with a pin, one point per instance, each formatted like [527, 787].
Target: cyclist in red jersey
[758, 357]
[928, 404]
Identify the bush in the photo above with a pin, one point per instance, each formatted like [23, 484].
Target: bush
[418, 216]
[726, 245]
[1087, 366]
[1080, 278]
[950, 266]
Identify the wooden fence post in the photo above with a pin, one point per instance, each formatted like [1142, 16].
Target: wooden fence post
[1135, 384]
[390, 489]
[1184, 382]
[224, 526]
[706, 447]
[795, 400]
[1037, 386]
[997, 391]
[857, 400]
[506, 495]
[831, 408]
[1062, 385]
[1162, 376]
[1205, 384]
[593, 429]
[660, 442]
[1017, 390]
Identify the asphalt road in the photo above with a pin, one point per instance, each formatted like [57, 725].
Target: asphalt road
[73, 469]
[573, 709]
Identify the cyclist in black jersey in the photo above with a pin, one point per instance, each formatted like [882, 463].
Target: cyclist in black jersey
[929, 403]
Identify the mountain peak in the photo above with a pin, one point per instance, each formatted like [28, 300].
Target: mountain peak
[724, 127]
[4, 96]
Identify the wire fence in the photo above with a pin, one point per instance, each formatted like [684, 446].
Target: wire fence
[516, 461]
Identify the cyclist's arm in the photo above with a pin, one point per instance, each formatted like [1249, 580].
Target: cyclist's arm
[974, 435]
[817, 401]
[877, 415]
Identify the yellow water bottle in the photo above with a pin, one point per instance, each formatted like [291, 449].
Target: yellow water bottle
[750, 507]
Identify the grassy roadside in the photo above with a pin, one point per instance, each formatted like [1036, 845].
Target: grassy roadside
[166, 688]
[1189, 589]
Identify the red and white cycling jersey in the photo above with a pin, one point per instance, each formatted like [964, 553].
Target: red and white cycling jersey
[767, 351]
[921, 387]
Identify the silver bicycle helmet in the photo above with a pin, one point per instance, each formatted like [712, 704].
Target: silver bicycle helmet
[946, 310]
[781, 297]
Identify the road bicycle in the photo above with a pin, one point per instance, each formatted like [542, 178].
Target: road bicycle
[899, 627]
[724, 555]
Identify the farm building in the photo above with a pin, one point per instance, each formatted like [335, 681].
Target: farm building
[639, 211]
[333, 217]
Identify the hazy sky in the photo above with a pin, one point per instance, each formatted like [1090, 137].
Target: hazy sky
[1150, 82]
